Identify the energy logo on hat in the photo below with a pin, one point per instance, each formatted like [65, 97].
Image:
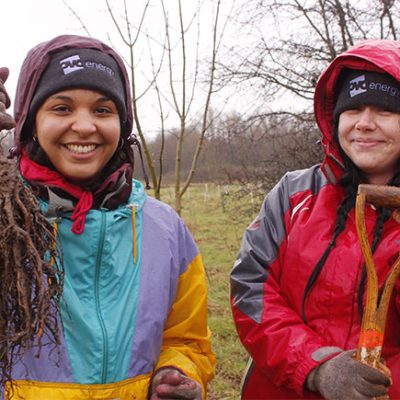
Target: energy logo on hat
[71, 64]
[357, 85]
[74, 63]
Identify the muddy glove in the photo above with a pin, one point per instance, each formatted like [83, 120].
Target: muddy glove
[6, 120]
[170, 383]
[343, 377]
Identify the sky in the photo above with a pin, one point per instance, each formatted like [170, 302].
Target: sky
[26, 23]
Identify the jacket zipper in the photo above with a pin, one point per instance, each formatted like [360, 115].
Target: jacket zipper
[97, 298]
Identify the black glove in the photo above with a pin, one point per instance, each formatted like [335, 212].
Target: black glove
[343, 377]
[6, 120]
[170, 383]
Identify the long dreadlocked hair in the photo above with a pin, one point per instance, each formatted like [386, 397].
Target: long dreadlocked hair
[30, 275]
[352, 177]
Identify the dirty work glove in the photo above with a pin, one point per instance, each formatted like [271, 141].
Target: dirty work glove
[343, 377]
[170, 383]
[6, 120]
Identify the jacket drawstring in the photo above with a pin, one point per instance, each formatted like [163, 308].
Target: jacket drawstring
[55, 233]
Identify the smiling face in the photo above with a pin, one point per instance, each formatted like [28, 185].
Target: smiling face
[370, 136]
[79, 130]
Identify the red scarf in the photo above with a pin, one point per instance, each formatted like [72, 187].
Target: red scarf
[34, 172]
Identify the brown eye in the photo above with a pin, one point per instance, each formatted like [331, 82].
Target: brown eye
[62, 108]
[103, 110]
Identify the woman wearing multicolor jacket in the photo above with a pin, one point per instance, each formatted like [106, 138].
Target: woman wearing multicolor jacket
[298, 285]
[134, 308]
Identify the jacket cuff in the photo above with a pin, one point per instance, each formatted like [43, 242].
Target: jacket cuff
[309, 367]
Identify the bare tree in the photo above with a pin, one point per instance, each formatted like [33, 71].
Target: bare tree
[285, 46]
[287, 43]
[187, 95]
[178, 52]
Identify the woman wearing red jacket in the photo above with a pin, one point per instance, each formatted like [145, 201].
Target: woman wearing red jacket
[298, 285]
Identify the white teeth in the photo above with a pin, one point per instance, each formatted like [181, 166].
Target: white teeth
[78, 148]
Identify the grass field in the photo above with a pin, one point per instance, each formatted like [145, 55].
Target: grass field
[218, 237]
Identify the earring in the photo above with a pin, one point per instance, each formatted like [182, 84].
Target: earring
[34, 138]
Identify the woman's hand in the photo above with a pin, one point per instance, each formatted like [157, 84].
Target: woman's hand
[6, 120]
[170, 383]
[343, 377]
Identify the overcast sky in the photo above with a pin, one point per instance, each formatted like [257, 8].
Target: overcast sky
[25, 23]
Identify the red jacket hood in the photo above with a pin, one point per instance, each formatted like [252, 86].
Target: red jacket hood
[36, 62]
[371, 55]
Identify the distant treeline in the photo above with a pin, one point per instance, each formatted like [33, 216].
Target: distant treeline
[244, 151]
